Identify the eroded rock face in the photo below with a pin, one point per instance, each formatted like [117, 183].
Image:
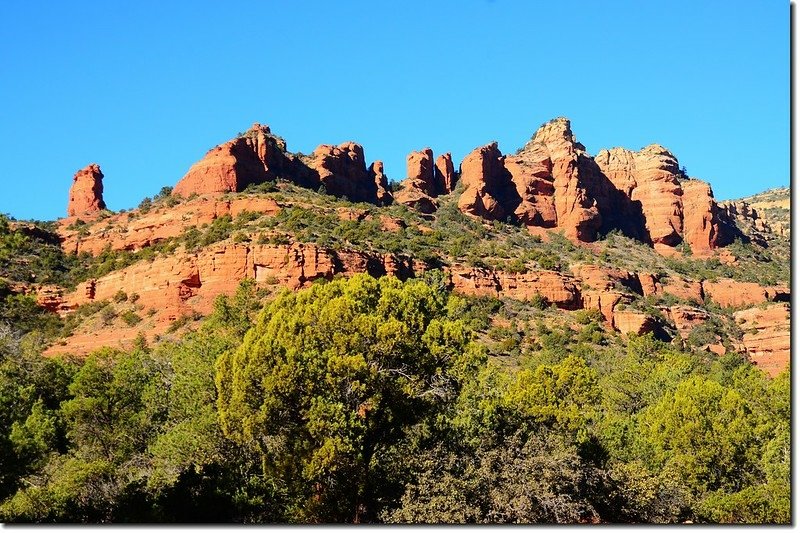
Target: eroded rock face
[541, 186]
[731, 293]
[426, 180]
[86, 192]
[123, 232]
[701, 218]
[444, 174]
[648, 179]
[419, 188]
[382, 194]
[767, 336]
[255, 157]
[185, 283]
[686, 318]
[563, 291]
[488, 190]
[552, 182]
[576, 211]
[634, 322]
[343, 172]
[260, 156]
[531, 174]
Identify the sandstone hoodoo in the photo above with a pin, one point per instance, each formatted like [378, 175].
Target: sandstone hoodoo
[426, 180]
[86, 193]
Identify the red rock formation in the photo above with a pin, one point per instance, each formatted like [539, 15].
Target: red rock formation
[259, 156]
[685, 289]
[135, 230]
[184, 283]
[700, 221]
[649, 179]
[604, 301]
[556, 288]
[767, 336]
[444, 174]
[255, 157]
[649, 283]
[343, 172]
[419, 171]
[731, 293]
[382, 194]
[531, 175]
[420, 187]
[576, 210]
[686, 318]
[633, 322]
[553, 183]
[425, 181]
[86, 193]
[487, 184]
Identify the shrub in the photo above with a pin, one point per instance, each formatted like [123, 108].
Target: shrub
[130, 318]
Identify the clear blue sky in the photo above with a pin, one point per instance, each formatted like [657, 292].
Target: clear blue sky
[145, 88]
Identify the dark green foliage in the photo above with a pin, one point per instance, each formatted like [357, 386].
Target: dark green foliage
[374, 400]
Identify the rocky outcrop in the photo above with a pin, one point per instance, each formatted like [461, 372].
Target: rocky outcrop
[187, 283]
[444, 174]
[86, 192]
[541, 186]
[420, 186]
[702, 226]
[634, 322]
[136, 230]
[762, 224]
[342, 171]
[576, 211]
[488, 190]
[649, 180]
[555, 288]
[686, 318]
[376, 174]
[731, 293]
[682, 288]
[767, 336]
[426, 180]
[259, 156]
[552, 182]
[255, 157]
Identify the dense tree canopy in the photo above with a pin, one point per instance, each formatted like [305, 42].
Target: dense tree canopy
[378, 400]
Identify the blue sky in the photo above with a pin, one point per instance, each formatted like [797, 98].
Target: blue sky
[146, 88]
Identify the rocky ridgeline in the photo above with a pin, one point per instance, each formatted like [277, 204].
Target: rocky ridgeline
[550, 184]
